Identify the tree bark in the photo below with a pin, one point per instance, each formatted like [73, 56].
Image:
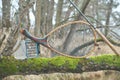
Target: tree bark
[6, 24]
[6, 14]
[12, 36]
[108, 17]
[50, 15]
[38, 18]
[72, 30]
[4, 29]
[59, 12]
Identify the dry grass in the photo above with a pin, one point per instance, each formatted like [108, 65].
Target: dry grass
[105, 49]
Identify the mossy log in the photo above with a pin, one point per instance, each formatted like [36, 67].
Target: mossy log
[11, 66]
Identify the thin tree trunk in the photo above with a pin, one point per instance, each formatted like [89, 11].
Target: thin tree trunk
[44, 15]
[6, 14]
[72, 30]
[108, 17]
[50, 15]
[37, 18]
[59, 12]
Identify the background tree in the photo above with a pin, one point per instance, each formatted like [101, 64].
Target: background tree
[6, 24]
[48, 14]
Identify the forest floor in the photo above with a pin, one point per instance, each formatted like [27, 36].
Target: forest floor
[105, 49]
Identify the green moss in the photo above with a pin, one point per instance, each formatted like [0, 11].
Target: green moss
[9, 65]
[64, 61]
[31, 65]
[111, 60]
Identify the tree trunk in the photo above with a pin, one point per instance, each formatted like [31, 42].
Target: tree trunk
[47, 11]
[6, 14]
[108, 17]
[72, 30]
[84, 5]
[12, 36]
[59, 12]
[38, 18]
[44, 14]
[50, 15]
[5, 28]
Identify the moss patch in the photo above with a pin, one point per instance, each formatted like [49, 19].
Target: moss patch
[111, 60]
[10, 66]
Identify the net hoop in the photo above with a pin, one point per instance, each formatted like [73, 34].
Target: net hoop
[65, 25]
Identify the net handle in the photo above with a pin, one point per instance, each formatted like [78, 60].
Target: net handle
[98, 32]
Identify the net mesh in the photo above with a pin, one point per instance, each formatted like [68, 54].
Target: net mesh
[73, 39]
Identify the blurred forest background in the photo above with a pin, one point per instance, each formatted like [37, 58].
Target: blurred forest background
[42, 16]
